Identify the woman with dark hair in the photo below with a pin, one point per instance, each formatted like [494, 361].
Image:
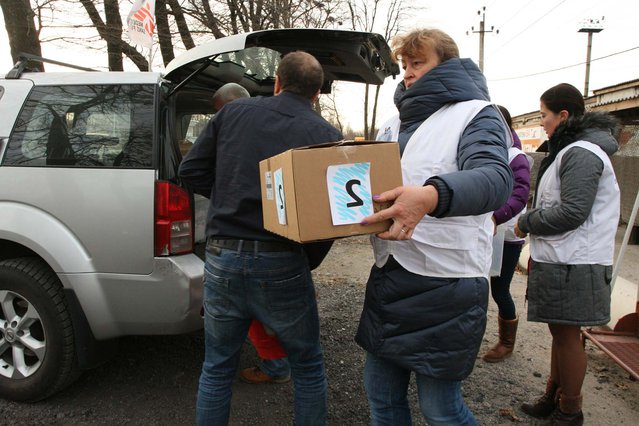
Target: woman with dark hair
[572, 228]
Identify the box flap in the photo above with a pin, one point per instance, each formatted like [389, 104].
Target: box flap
[343, 142]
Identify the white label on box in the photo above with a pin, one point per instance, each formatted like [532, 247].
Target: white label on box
[349, 192]
[280, 202]
[268, 179]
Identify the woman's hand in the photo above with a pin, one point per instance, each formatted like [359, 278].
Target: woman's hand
[411, 204]
[519, 232]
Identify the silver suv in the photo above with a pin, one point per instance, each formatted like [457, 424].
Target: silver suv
[97, 238]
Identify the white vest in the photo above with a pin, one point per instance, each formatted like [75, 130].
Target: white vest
[593, 242]
[449, 247]
[509, 227]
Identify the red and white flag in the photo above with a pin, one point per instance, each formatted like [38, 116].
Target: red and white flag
[141, 22]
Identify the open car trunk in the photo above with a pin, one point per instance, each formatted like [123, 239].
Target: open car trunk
[251, 59]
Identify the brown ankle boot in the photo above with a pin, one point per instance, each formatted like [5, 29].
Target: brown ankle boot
[568, 413]
[545, 405]
[504, 348]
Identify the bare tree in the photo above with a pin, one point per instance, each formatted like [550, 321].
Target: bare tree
[114, 31]
[364, 17]
[163, 30]
[204, 19]
[168, 14]
[329, 110]
[331, 113]
[182, 25]
[179, 22]
[163, 10]
[111, 32]
[24, 35]
[223, 17]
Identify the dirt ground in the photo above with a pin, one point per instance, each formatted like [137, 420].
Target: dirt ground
[153, 380]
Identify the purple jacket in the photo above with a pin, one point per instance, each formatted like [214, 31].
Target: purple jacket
[521, 187]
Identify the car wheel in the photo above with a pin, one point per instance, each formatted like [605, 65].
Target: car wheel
[37, 352]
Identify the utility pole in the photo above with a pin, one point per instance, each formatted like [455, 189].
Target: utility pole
[481, 32]
[590, 26]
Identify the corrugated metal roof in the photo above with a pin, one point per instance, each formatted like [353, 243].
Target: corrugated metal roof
[617, 85]
[613, 94]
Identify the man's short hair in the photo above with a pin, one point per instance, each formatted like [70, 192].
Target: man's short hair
[300, 73]
[227, 93]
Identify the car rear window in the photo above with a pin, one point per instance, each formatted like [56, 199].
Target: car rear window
[84, 126]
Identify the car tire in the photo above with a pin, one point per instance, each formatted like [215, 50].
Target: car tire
[37, 348]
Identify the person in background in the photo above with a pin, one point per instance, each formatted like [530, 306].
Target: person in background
[251, 273]
[272, 365]
[227, 93]
[572, 227]
[427, 294]
[505, 218]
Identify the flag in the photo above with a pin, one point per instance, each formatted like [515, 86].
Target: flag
[141, 22]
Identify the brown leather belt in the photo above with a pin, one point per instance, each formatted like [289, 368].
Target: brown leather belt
[252, 245]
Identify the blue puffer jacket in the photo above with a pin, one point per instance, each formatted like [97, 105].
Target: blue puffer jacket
[486, 179]
[434, 326]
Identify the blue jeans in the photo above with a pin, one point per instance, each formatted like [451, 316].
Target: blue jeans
[386, 386]
[275, 288]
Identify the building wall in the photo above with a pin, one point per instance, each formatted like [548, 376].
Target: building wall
[621, 100]
[531, 137]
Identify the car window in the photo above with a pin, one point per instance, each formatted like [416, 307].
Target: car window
[192, 125]
[193, 109]
[258, 63]
[84, 126]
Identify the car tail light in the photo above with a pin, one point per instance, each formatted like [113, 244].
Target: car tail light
[173, 220]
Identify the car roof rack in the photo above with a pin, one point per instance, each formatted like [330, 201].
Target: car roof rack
[25, 58]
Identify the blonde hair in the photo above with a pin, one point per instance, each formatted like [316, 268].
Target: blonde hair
[414, 43]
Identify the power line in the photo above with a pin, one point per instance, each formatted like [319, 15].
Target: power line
[563, 68]
[533, 23]
[512, 17]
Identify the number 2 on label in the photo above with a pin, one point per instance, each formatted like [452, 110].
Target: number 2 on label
[349, 192]
[349, 188]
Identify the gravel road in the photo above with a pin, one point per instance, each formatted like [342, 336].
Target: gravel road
[153, 380]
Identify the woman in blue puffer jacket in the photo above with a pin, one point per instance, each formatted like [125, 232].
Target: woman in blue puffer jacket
[427, 295]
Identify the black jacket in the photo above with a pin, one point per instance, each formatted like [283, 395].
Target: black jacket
[223, 163]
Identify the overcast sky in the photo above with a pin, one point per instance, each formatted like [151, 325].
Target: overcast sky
[537, 46]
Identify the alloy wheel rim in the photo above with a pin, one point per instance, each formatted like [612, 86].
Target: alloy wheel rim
[22, 337]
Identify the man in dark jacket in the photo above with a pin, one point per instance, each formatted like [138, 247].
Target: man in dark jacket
[251, 273]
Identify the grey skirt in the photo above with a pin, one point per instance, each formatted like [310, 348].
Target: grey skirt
[569, 294]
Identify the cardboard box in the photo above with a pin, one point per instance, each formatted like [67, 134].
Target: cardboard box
[323, 192]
